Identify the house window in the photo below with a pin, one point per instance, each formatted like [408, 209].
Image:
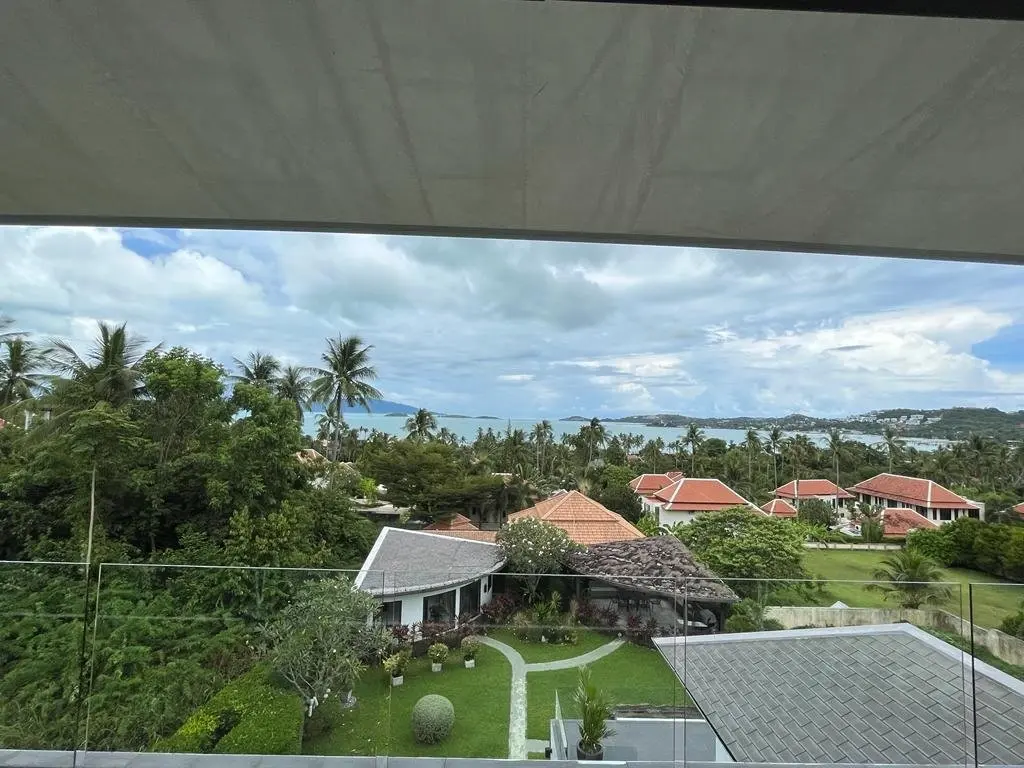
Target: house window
[945, 514]
[440, 608]
[392, 613]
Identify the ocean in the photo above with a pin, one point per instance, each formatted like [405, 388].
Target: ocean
[467, 429]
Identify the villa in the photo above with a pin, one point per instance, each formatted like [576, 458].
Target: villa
[796, 491]
[779, 508]
[926, 497]
[647, 484]
[899, 521]
[687, 497]
[583, 519]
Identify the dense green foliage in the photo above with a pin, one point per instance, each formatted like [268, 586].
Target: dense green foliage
[911, 579]
[433, 718]
[994, 548]
[817, 512]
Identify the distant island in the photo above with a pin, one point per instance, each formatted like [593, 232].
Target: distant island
[378, 407]
[940, 424]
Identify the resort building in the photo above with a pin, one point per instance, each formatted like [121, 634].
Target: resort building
[779, 508]
[687, 497]
[796, 491]
[583, 519]
[899, 521]
[646, 484]
[926, 497]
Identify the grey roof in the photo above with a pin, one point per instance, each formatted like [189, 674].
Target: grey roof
[883, 694]
[404, 561]
[658, 564]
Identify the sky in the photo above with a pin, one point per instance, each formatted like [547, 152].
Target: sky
[538, 329]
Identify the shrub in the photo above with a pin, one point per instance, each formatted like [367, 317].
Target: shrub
[247, 716]
[523, 627]
[500, 609]
[438, 653]
[401, 635]
[608, 616]
[934, 544]
[396, 663]
[749, 616]
[1014, 625]
[470, 648]
[324, 719]
[432, 719]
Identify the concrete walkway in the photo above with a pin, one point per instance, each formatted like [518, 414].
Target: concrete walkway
[518, 744]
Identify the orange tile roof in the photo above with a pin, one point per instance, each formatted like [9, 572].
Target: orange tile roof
[1019, 509]
[699, 494]
[649, 483]
[912, 490]
[586, 521]
[811, 488]
[454, 522]
[899, 521]
[469, 535]
[779, 508]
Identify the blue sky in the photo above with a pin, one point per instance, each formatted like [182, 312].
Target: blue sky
[525, 329]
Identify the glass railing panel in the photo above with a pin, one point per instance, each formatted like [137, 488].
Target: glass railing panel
[232, 660]
[42, 628]
[992, 632]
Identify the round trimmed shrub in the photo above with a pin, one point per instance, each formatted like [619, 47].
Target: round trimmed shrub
[432, 719]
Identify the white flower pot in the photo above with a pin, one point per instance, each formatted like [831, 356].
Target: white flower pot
[435, 667]
[543, 638]
[470, 663]
[397, 681]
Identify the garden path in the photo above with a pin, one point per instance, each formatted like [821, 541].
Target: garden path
[517, 742]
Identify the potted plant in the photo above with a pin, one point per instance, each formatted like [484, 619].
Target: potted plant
[395, 665]
[470, 647]
[438, 652]
[594, 710]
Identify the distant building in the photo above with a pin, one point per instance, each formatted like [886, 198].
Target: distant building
[688, 497]
[583, 519]
[779, 508]
[1019, 509]
[460, 527]
[926, 497]
[646, 485]
[825, 490]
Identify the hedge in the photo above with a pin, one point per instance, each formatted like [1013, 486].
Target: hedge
[248, 716]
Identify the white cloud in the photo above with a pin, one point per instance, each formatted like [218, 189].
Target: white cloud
[516, 377]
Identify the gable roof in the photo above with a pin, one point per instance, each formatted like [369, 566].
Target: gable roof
[404, 561]
[699, 494]
[899, 521]
[583, 519]
[658, 564]
[810, 488]
[469, 535]
[779, 508]
[649, 483]
[454, 522]
[887, 694]
[913, 490]
[1019, 509]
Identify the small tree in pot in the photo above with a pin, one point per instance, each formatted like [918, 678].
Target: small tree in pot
[470, 648]
[438, 652]
[595, 710]
[395, 664]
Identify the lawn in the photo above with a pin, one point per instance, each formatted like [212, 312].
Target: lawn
[379, 724]
[993, 599]
[586, 640]
[630, 675]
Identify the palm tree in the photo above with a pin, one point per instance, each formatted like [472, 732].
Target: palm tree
[911, 578]
[345, 378]
[20, 371]
[835, 446]
[6, 335]
[258, 369]
[421, 426]
[542, 435]
[775, 446]
[892, 444]
[295, 385]
[596, 436]
[694, 440]
[112, 369]
[798, 449]
[753, 444]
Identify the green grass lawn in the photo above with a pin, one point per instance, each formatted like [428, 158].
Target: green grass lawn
[630, 675]
[380, 722]
[993, 601]
[586, 640]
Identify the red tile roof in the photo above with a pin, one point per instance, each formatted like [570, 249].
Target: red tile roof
[899, 521]
[454, 522]
[699, 494]
[912, 490]
[1019, 509]
[649, 483]
[470, 535]
[811, 488]
[586, 521]
[779, 508]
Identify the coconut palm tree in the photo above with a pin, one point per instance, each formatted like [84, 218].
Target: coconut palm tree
[421, 426]
[6, 334]
[694, 440]
[892, 444]
[21, 369]
[835, 447]
[258, 369]
[295, 385]
[753, 444]
[911, 578]
[345, 378]
[542, 435]
[596, 437]
[775, 447]
[112, 369]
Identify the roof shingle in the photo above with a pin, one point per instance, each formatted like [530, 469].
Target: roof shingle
[583, 519]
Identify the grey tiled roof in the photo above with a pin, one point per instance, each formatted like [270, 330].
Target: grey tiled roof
[885, 694]
[404, 561]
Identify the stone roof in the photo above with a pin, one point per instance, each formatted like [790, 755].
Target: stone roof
[404, 561]
[657, 564]
[887, 694]
[584, 520]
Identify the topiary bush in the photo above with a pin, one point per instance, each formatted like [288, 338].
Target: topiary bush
[432, 719]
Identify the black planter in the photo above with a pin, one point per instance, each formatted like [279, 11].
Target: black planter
[582, 754]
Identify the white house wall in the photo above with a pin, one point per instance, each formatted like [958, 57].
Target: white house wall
[412, 603]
